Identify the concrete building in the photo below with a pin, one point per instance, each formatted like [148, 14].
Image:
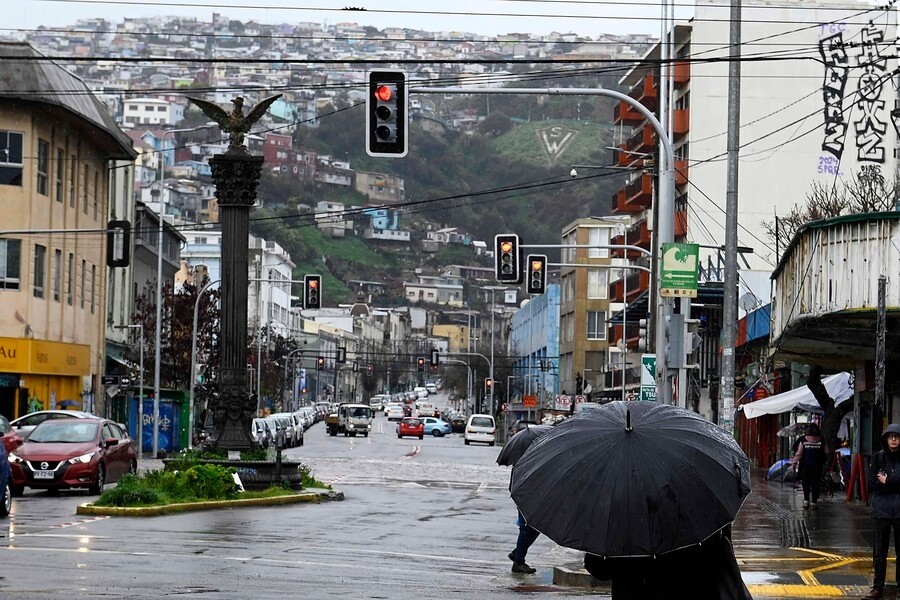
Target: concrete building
[269, 300]
[57, 151]
[534, 341]
[151, 111]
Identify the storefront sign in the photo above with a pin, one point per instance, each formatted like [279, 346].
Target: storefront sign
[46, 358]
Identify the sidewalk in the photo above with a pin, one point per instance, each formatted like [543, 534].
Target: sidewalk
[785, 551]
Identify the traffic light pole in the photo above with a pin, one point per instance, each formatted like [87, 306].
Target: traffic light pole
[664, 207]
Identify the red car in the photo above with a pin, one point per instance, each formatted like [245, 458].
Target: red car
[411, 426]
[72, 453]
[11, 438]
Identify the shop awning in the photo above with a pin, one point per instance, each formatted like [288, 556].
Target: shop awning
[839, 386]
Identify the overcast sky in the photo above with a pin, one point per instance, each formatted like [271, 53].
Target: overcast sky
[487, 17]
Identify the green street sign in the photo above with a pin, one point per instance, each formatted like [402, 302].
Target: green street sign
[648, 377]
[678, 276]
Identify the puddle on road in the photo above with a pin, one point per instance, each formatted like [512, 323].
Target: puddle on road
[768, 578]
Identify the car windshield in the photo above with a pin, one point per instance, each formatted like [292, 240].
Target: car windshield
[69, 431]
[411, 422]
[482, 422]
[360, 411]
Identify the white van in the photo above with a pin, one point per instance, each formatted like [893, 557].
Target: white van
[480, 428]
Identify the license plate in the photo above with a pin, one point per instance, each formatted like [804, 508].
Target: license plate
[43, 474]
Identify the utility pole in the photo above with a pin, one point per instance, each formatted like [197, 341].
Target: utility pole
[729, 308]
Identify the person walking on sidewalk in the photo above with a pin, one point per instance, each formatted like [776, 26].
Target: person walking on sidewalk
[527, 536]
[810, 457]
[884, 493]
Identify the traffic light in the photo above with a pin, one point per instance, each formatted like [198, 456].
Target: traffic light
[420, 364]
[370, 369]
[355, 366]
[312, 291]
[341, 355]
[488, 384]
[537, 274]
[435, 357]
[118, 243]
[506, 258]
[320, 363]
[387, 113]
[643, 342]
[674, 341]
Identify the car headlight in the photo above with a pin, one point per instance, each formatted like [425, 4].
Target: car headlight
[14, 458]
[84, 458]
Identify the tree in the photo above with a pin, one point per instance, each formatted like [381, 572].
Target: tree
[867, 192]
[831, 422]
[177, 333]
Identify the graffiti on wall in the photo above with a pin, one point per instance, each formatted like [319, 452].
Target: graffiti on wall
[871, 125]
[837, 66]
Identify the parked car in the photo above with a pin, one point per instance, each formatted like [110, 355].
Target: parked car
[436, 427]
[278, 427]
[411, 426]
[260, 432]
[520, 425]
[5, 476]
[480, 428]
[457, 423]
[24, 425]
[11, 438]
[295, 428]
[72, 453]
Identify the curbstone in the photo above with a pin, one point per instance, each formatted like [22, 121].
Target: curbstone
[569, 577]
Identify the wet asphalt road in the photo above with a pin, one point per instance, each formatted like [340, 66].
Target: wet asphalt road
[422, 519]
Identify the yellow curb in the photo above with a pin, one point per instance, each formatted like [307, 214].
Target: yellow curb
[795, 591]
[149, 511]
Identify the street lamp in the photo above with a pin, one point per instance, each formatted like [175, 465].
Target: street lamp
[159, 275]
[492, 289]
[140, 403]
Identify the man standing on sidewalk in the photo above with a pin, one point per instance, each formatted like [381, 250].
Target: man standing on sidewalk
[884, 491]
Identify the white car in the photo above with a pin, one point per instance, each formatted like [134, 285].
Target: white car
[432, 389]
[23, 425]
[480, 428]
[394, 412]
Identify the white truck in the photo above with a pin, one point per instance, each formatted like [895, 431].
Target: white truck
[351, 419]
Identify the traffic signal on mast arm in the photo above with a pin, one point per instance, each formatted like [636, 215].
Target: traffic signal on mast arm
[369, 369]
[312, 291]
[643, 342]
[320, 363]
[420, 364]
[488, 384]
[537, 274]
[435, 357]
[118, 244]
[506, 258]
[387, 113]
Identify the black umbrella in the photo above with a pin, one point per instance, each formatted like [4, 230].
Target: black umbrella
[631, 479]
[519, 443]
[793, 430]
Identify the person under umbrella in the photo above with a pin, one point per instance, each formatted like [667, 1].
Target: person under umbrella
[511, 453]
[810, 457]
[649, 490]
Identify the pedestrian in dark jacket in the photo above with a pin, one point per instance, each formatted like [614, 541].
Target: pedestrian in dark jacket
[810, 458]
[884, 502]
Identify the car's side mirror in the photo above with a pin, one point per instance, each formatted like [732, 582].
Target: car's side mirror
[110, 442]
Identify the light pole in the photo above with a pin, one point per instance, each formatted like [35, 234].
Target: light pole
[159, 275]
[492, 289]
[140, 402]
[194, 361]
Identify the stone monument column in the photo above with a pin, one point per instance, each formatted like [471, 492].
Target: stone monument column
[236, 174]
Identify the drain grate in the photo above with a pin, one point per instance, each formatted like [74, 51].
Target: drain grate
[794, 533]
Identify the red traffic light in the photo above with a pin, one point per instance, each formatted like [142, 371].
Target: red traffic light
[313, 283]
[384, 93]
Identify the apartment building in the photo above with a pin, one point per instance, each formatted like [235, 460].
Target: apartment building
[57, 151]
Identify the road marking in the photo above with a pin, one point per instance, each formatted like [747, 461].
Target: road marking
[483, 486]
[411, 453]
[79, 522]
[796, 591]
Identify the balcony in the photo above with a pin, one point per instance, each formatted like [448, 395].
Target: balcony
[681, 172]
[620, 203]
[637, 283]
[639, 193]
[626, 114]
[642, 141]
[639, 235]
[645, 91]
[681, 74]
[681, 123]
[681, 223]
[623, 158]
[618, 240]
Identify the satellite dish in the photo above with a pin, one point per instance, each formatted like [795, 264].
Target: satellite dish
[620, 228]
[748, 302]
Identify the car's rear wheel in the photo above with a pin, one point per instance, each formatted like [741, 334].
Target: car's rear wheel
[97, 486]
[399, 437]
[16, 490]
[436, 433]
[422, 437]
[6, 501]
[467, 442]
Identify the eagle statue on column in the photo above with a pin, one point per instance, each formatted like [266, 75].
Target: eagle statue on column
[235, 124]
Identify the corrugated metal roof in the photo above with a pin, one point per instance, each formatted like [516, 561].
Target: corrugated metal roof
[34, 78]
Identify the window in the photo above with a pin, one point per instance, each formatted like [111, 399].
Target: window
[84, 190]
[598, 236]
[40, 269]
[11, 144]
[72, 163]
[96, 191]
[43, 168]
[10, 253]
[70, 279]
[60, 165]
[596, 325]
[57, 274]
[83, 271]
[93, 287]
[597, 287]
